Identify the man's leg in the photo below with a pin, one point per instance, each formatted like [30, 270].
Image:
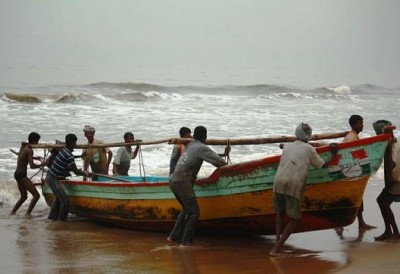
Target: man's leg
[361, 223]
[292, 210]
[55, 207]
[176, 234]
[192, 214]
[287, 231]
[278, 227]
[32, 189]
[384, 202]
[23, 193]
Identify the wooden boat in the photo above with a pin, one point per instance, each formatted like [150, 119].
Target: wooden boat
[234, 198]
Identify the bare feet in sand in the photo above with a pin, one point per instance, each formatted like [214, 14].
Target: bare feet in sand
[365, 226]
[186, 245]
[171, 242]
[385, 236]
[275, 253]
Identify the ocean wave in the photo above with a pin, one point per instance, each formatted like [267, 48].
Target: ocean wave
[339, 90]
[142, 92]
[137, 96]
[76, 98]
[127, 86]
[21, 98]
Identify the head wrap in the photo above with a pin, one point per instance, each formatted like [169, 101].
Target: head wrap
[380, 125]
[88, 129]
[303, 132]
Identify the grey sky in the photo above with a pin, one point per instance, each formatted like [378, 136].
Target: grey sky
[310, 35]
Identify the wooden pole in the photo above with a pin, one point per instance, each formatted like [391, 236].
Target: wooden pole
[259, 141]
[215, 142]
[84, 146]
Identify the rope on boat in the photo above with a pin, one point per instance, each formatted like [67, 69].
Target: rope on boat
[227, 158]
[45, 158]
[40, 169]
[141, 164]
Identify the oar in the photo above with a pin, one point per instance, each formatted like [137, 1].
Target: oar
[108, 177]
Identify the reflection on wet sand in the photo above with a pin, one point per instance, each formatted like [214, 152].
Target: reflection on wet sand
[77, 246]
[39, 246]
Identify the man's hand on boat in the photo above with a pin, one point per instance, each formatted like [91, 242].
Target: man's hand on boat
[85, 174]
[334, 148]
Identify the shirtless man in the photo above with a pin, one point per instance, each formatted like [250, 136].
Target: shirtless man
[178, 149]
[357, 125]
[391, 191]
[25, 157]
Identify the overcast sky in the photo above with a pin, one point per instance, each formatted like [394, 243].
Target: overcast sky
[360, 35]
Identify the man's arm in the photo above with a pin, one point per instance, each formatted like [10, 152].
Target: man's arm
[134, 154]
[79, 171]
[115, 170]
[212, 157]
[30, 160]
[85, 159]
[110, 154]
[334, 150]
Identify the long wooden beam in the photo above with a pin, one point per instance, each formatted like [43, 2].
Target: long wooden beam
[84, 146]
[247, 141]
[260, 141]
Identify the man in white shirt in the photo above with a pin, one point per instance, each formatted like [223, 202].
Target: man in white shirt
[122, 161]
[290, 181]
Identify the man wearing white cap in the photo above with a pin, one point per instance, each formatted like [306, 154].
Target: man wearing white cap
[290, 181]
[98, 159]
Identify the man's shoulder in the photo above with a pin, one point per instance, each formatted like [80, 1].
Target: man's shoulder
[350, 136]
[65, 151]
[98, 141]
[298, 146]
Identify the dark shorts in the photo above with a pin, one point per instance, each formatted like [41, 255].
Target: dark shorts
[19, 175]
[287, 204]
[394, 197]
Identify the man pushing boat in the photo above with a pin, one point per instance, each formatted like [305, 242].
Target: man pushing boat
[290, 181]
[182, 181]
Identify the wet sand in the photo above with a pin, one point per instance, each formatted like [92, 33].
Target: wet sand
[39, 246]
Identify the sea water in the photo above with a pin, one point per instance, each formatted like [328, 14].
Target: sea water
[155, 112]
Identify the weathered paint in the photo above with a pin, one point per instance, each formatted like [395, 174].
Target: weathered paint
[236, 197]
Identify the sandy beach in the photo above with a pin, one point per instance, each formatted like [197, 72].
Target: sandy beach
[367, 255]
[37, 245]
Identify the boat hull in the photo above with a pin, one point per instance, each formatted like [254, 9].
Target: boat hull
[236, 198]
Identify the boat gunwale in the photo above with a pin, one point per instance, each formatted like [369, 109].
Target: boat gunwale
[221, 171]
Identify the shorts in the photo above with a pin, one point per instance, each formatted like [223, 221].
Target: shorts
[287, 204]
[394, 197]
[19, 175]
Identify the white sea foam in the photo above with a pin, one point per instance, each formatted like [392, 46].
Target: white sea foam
[340, 89]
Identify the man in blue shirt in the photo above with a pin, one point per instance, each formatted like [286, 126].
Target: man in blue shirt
[60, 168]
